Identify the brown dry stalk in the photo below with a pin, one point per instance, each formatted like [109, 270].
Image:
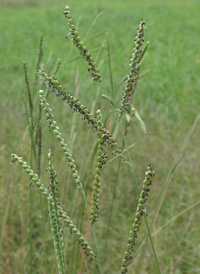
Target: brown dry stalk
[8, 235]
[110, 125]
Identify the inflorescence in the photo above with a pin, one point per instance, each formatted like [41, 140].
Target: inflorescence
[133, 69]
[77, 106]
[100, 163]
[55, 219]
[136, 224]
[33, 177]
[76, 39]
[55, 130]
[62, 214]
[72, 102]
[39, 58]
[79, 238]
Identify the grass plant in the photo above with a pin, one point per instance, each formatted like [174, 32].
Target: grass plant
[109, 155]
[104, 138]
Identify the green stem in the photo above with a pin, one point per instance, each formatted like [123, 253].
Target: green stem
[152, 245]
[112, 203]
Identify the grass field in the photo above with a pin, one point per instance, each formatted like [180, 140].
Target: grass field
[168, 101]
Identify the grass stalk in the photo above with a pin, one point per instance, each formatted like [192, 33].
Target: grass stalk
[109, 64]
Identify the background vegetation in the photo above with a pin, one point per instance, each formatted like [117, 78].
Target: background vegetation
[167, 99]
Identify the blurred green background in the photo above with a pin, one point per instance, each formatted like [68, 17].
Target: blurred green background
[167, 99]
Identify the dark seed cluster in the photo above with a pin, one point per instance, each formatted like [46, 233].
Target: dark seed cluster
[72, 102]
[133, 69]
[76, 39]
[136, 224]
